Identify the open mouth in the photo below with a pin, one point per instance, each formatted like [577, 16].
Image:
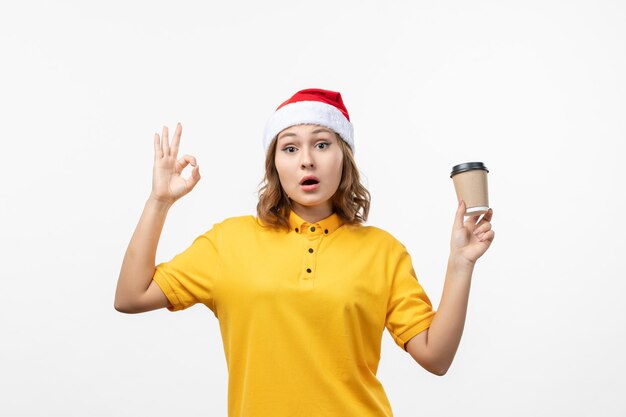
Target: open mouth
[310, 183]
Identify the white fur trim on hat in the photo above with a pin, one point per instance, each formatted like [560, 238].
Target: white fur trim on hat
[308, 112]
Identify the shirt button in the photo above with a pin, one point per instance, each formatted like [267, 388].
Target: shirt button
[312, 229]
[310, 250]
[308, 270]
[326, 231]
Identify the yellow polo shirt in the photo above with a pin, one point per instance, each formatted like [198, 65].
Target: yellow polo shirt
[302, 313]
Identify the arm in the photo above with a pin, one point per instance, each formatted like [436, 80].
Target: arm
[435, 347]
[136, 291]
[138, 266]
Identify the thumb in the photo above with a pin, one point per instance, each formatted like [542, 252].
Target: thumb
[460, 213]
[195, 177]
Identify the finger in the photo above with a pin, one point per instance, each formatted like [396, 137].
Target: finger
[488, 215]
[472, 219]
[460, 212]
[195, 176]
[193, 179]
[176, 140]
[485, 227]
[164, 143]
[486, 218]
[184, 161]
[181, 164]
[158, 153]
[488, 236]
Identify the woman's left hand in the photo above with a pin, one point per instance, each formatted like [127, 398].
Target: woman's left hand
[470, 240]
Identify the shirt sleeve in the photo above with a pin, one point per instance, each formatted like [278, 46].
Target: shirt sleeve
[409, 310]
[189, 277]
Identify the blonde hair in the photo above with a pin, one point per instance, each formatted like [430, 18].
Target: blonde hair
[351, 201]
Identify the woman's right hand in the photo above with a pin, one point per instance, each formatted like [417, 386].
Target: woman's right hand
[167, 183]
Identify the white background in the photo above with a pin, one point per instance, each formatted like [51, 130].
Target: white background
[535, 89]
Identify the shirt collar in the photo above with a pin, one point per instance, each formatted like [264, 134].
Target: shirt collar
[323, 227]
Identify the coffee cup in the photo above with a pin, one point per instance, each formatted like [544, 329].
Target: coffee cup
[470, 183]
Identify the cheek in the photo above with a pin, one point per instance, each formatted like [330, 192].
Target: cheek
[339, 169]
[280, 167]
[283, 172]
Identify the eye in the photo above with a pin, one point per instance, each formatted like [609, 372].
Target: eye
[289, 149]
[323, 145]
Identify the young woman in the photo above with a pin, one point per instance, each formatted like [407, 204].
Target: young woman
[303, 291]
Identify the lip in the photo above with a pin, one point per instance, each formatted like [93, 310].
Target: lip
[309, 177]
[311, 187]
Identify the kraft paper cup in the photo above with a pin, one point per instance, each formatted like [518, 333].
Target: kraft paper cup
[470, 183]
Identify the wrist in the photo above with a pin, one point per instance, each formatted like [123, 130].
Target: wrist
[158, 203]
[460, 263]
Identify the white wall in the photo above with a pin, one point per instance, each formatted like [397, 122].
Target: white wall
[533, 89]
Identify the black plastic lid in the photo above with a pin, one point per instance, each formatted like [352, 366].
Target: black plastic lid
[468, 166]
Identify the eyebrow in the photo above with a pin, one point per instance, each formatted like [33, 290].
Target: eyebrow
[315, 131]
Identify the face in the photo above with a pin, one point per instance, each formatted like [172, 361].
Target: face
[309, 162]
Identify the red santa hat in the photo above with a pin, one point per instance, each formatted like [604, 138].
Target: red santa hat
[311, 106]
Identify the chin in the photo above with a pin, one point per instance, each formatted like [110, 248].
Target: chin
[310, 202]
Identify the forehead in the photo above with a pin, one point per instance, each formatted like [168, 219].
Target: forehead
[303, 129]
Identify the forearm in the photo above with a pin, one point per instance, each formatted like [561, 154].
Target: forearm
[139, 261]
[444, 334]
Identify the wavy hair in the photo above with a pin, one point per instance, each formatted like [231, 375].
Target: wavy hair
[351, 201]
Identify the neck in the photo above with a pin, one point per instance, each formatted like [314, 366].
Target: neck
[312, 214]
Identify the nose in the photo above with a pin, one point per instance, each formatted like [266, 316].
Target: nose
[307, 159]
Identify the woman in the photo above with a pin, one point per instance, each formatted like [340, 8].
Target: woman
[303, 291]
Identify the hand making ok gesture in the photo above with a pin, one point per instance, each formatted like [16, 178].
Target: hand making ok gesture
[167, 183]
